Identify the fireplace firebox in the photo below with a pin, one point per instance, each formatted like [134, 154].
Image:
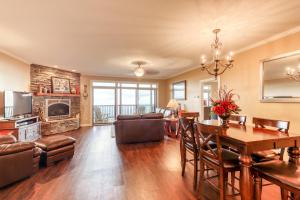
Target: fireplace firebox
[58, 108]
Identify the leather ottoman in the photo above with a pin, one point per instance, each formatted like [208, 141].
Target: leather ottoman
[36, 158]
[55, 148]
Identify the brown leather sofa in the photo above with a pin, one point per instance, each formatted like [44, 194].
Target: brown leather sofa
[16, 159]
[139, 128]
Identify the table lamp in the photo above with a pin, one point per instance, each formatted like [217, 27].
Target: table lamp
[173, 104]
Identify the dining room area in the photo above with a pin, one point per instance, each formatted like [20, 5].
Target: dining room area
[240, 156]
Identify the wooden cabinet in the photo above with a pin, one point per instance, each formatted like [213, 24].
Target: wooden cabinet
[26, 129]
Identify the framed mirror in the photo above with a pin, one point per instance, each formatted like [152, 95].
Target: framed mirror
[179, 90]
[280, 78]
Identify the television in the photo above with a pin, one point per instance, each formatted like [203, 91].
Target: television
[16, 104]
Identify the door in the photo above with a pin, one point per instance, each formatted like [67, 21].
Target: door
[104, 101]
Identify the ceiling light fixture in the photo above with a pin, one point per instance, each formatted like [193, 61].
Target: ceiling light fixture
[218, 66]
[139, 71]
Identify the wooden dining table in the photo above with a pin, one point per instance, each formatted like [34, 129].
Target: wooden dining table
[247, 139]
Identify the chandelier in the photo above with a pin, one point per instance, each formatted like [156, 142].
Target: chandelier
[292, 74]
[218, 66]
[139, 71]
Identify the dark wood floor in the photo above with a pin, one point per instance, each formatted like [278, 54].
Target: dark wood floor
[101, 170]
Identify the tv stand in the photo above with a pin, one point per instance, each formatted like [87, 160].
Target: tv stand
[25, 129]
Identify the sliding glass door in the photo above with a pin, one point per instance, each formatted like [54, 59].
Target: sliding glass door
[104, 105]
[113, 98]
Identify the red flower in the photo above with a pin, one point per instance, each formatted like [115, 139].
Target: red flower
[219, 110]
[232, 107]
[225, 104]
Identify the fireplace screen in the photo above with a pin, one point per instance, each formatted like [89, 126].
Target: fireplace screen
[57, 108]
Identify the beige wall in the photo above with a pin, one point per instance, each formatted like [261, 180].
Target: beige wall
[86, 103]
[244, 77]
[192, 102]
[14, 74]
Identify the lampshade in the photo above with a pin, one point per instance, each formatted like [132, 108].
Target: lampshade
[173, 104]
[139, 71]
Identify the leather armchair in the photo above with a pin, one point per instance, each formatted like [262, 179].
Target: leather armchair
[16, 159]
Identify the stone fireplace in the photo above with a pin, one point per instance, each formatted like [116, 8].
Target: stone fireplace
[61, 112]
[58, 108]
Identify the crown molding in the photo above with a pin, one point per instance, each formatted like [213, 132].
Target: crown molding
[15, 57]
[270, 39]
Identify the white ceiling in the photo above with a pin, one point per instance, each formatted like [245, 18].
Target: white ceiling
[103, 37]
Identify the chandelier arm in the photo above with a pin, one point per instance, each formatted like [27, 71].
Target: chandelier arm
[225, 67]
[207, 70]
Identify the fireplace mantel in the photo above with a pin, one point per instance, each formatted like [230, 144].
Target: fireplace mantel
[56, 95]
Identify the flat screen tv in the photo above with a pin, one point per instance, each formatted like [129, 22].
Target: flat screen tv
[17, 103]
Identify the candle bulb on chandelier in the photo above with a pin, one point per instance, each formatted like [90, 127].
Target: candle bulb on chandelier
[203, 59]
[217, 54]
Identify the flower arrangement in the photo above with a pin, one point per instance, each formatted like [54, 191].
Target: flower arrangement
[225, 105]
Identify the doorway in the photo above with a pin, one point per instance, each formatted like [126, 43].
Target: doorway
[209, 89]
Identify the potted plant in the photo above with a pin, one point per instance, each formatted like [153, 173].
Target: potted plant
[225, 105]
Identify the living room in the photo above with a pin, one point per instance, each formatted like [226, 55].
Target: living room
[149, 99]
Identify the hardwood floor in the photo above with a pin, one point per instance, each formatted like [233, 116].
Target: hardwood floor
[101, 170]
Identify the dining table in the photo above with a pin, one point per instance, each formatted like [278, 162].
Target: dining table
[247, 139]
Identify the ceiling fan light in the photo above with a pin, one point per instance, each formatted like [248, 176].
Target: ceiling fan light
[139, 72]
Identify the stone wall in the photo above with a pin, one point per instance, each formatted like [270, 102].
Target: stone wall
[42, 76]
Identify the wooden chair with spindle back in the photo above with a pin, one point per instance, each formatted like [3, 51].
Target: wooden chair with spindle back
[264, 156]
[238, 118]
[280, 125]
[190, 115]
[221, 160]
[188, 144]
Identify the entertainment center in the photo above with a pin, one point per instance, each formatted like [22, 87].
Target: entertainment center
[24, 129]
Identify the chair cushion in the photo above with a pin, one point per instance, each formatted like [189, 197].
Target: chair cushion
[7, 139]
[230, 159]
[284, 172]
[6, 149]
[262, 156]
[54, 142]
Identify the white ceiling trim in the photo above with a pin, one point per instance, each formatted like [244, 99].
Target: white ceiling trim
[15, 57]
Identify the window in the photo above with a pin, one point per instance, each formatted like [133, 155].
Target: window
[179, 90]
[114, 98]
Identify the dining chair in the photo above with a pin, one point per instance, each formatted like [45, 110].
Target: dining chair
[239, 119]
[193, 115]
[280, 125]
[221, 160]
[282, 173]
[188, 144]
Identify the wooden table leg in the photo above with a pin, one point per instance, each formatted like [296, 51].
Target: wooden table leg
[294, 155]
[246, 179]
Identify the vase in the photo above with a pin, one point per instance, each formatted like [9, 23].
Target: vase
[225, 121]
